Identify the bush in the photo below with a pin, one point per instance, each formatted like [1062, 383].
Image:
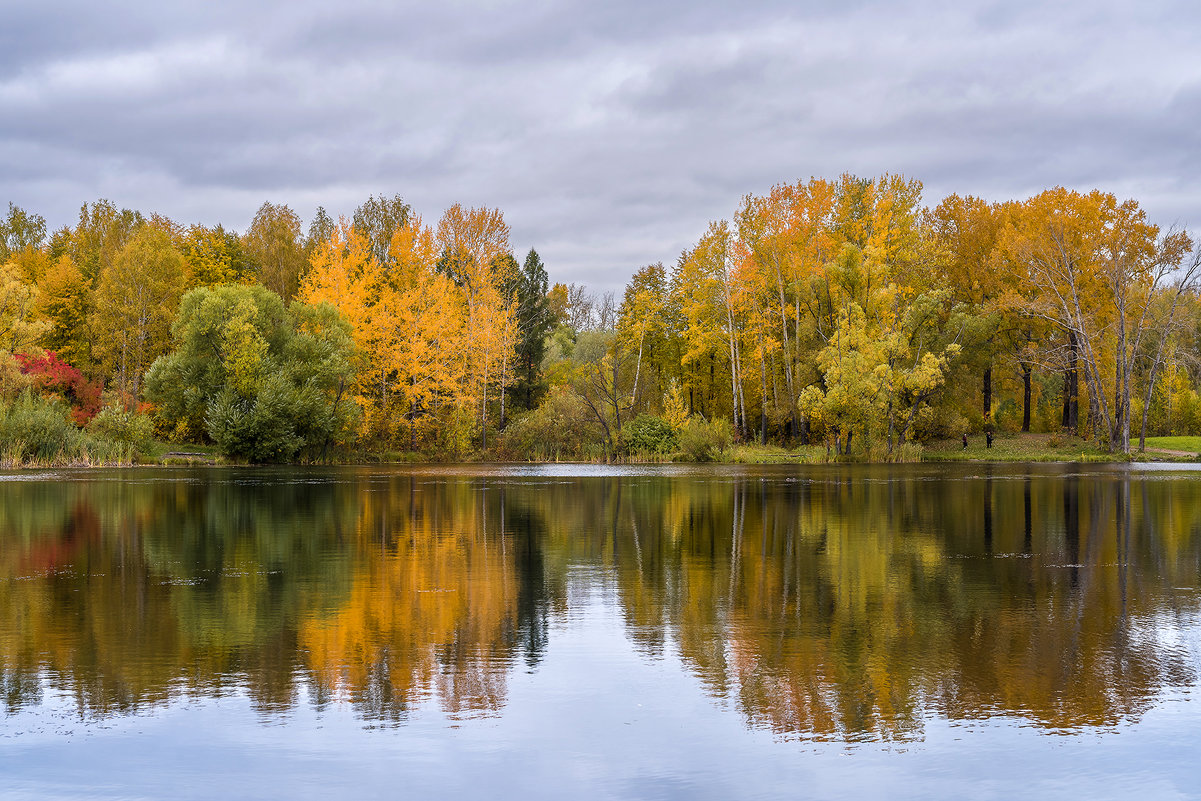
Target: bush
[562, 427]
[263, 381]
[37, 431]
[132, 431]
[36, 428]
[647, 433]
[53, 376]
[702, 441]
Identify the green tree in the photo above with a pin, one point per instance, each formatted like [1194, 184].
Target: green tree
[214, 256]
[378, 219]
[264, 382]
[534, 323]
[320, 230]
[20, 231]
[273, 242]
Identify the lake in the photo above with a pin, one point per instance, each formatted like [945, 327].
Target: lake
[568, 631]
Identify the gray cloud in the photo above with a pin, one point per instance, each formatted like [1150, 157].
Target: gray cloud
[609, 133]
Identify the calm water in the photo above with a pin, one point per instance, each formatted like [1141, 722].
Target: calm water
[575, 632]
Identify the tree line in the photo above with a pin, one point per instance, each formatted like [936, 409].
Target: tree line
[840, 312]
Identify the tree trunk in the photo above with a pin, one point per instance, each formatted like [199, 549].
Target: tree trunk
[1026, 398]
[763, 391]
[988, 393]
[1071, 388]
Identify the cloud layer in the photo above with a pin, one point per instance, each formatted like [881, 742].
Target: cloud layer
[609, 133]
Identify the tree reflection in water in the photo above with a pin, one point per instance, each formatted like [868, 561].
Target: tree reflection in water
[835, 603]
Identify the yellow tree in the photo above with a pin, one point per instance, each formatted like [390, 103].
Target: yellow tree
[64, 299]
[640, 318]
[20, 326]
[787, 237]
[345, 274]
[1095, 264]
[962, 233]
[213, 256]
[704, 283]
[471, 242]
[136, 300]
[887, 356]
[423, 311]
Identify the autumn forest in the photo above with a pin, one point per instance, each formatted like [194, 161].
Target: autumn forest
[848, 317]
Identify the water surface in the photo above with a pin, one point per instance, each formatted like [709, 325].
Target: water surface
[593, 632]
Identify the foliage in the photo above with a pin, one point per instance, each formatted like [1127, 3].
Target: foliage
[54, 377]
[705, 440]
[36, 430]
[560, 428]
[534, 321]
[377, 220]
[263, 382]
[20, 327]
[214, 256]
[828, 312]
[132, 430]
[274, 246]
[135, 301]
[647, 433]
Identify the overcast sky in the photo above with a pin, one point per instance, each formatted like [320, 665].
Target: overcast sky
[609, 133]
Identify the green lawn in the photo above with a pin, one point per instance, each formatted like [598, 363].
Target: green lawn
[1018, 448]
[1184, 444]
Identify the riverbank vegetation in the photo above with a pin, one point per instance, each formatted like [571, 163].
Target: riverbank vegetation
[825, 320]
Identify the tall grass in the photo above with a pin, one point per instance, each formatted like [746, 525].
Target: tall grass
[38, 432]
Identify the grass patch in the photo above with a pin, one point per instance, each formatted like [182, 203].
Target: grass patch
[1183, 444]
[1019, 448]
[773, 454]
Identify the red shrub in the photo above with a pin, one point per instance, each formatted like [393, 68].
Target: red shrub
[52, 376]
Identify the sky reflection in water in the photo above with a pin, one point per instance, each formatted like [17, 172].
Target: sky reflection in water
[541, 631]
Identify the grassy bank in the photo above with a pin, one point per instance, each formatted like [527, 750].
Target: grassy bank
[1180, 447]
[1006, 448]
[1019, 448]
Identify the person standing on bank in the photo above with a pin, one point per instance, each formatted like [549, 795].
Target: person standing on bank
[965, 441]
[988, 439]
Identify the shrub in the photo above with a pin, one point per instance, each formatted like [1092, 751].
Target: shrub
[52, 375]
[647, 433]
[263, 381]
[133, 431]
[702, 440]
[36, 428]
[562, 427]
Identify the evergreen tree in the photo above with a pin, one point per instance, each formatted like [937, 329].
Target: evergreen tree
[534, 322]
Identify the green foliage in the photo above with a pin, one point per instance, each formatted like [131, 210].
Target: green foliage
[131, 430]
[38, 431]
[274, 245]
[562, 427]
[534, 323]
[263, 382]
[19, 231]
[33, 427]
[647, 433]
[377, 219]
[703, 441]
